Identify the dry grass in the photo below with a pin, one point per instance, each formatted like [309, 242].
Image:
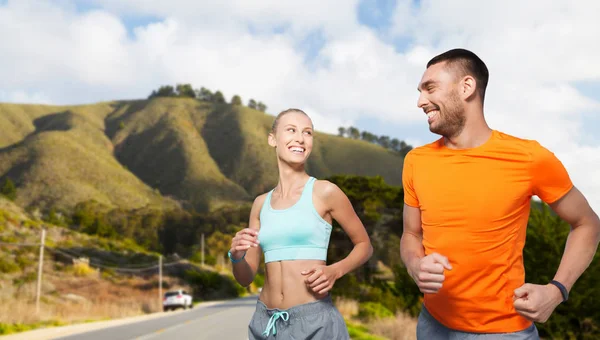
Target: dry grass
[79, 299]
[347, 307]
[401, 327]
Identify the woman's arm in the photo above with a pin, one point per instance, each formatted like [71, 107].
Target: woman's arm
[245, 243]
[340, 208]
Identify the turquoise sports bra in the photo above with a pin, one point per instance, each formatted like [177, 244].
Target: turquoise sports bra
[298, 232]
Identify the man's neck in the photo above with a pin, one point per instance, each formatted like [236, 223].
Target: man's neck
[475, 133]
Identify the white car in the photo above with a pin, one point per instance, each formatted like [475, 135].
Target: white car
[177, 299]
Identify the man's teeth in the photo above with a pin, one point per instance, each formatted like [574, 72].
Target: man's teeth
[432, 114]
[297, 149]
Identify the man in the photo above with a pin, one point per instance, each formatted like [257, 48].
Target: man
[467, 203]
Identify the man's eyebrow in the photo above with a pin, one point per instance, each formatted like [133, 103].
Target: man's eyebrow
[425, 84]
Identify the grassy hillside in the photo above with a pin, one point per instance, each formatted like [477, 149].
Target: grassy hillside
[160, 142]
[65, 158]
[161, 152]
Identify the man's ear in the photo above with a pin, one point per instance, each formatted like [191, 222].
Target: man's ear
[271, 140]
[468, 87]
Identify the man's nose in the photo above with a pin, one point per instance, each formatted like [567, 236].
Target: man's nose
[422, 101]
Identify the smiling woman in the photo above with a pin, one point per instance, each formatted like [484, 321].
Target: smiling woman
[291, 224]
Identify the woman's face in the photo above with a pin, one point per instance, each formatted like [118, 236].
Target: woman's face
[293, 138]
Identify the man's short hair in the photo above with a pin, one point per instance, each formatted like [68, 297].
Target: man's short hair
[467, 63]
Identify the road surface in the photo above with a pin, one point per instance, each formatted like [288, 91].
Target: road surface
[225, 321]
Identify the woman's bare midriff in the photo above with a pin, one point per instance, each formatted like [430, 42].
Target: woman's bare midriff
[284, 285]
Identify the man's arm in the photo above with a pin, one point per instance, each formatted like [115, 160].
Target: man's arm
[426, 271]
[583, 239]
[537, 302]
[411, 243]
[552, 184]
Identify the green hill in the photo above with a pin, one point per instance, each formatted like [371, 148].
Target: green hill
[62, 157]
[161, 152]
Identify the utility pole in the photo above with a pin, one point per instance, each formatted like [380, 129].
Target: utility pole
[202, 245]
[159, 281]
[39, 278]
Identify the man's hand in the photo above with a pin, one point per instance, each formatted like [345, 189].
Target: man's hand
[536, 302]
[322, 278]
[428, 272]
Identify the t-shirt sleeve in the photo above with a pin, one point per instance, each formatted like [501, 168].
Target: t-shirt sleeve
[550, 179]
[410, 196]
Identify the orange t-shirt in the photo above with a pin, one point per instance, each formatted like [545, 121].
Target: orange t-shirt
[474, 209]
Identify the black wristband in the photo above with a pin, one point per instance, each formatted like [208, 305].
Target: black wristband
[563, 289]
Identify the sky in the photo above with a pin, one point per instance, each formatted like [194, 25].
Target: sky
[345, 62]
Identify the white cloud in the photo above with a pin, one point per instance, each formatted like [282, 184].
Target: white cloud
[24, 97]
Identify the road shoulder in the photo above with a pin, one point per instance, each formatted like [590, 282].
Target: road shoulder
[56, 332]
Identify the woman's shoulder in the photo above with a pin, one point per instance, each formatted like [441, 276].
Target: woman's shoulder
[325, 189]
[260, 199]
[258, 202]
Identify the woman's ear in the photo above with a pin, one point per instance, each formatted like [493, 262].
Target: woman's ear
[272, 141]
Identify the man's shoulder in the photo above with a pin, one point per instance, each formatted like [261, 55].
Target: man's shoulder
[518, 144]
[425, 149]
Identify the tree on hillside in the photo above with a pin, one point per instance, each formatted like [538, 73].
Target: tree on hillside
[394, 144]
[218, 98]
[185, 90]
[236, 100]
[163, 91]
[404, 148]
[252, 104]
[204, 94]
[9, 190]
[218, 244]
[384, 141]
[368, 137]
[353, 132]
[261, 107]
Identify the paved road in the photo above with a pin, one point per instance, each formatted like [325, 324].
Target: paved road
[225, 321]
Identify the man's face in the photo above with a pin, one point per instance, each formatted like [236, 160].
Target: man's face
[440, 100]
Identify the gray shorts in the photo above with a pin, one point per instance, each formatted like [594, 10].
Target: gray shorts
[428, 328]
[314, 320]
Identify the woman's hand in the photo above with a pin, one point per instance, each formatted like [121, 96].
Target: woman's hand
[322, 279]
[242, 241]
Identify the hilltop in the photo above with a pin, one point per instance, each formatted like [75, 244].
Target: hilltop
[159, 153]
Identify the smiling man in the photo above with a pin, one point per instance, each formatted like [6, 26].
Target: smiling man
[467, 203]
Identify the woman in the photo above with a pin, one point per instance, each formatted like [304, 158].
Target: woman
[291, 224]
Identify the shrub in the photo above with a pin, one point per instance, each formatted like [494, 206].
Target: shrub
[7, 265]
[83, 269]
[213, 286]
[259, 280]
[368, 311]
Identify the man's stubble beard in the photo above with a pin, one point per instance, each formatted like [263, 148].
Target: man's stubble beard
[452, 120]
